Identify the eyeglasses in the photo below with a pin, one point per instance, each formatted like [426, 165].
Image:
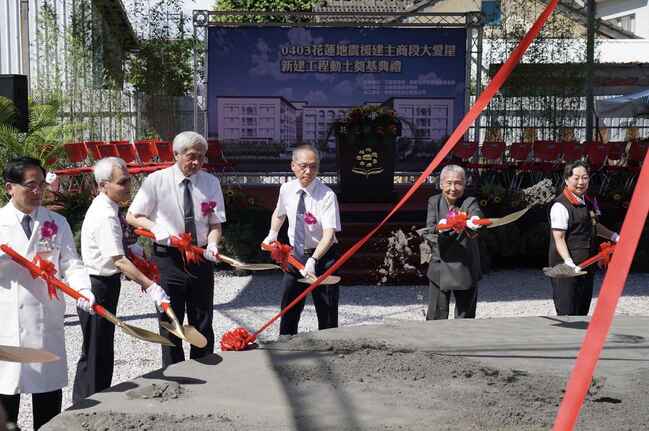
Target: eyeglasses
[34, 186]
[304, 166]
[193, 157]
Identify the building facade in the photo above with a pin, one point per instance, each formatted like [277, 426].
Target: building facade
[257, 119]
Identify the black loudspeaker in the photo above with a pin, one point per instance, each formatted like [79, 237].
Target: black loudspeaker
[14, 88]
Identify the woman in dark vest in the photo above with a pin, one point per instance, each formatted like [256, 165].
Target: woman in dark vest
[455, 258]
[574, 226]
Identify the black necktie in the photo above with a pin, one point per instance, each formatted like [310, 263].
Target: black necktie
[188, 206]
[26, 226]
[298, 240]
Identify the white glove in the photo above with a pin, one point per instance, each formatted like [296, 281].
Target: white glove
[471, 223]
[211, 252]
[571, 264]
[442, 221]
[271, 237]
[86, 303]
[615, 237]
[309, 268]
[162, 236]
[158, 295]
[50, 177]
[137, 250]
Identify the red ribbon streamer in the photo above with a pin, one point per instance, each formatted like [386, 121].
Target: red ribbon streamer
[184, 243]
[37, 272]
[47, 273]
[600, 324]
[480, 104]
[146, 267]
[281, 254]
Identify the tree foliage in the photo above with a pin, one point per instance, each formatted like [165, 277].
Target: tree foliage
[162, 67]
[275, 6]
[45, 137]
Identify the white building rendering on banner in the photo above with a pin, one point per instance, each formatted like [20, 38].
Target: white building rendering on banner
[277, 120]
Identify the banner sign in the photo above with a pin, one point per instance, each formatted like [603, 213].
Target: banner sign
[287, 85]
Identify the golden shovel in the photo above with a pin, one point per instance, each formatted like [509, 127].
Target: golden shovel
[25, 355]
[332, 279]
[184, 332]
[131, 330]
[249, 266]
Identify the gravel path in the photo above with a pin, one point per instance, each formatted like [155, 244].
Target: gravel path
[250, 302]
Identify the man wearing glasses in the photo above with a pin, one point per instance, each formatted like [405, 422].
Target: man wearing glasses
[183, 199]
[104, 249]
[30, 317]
[313, 220]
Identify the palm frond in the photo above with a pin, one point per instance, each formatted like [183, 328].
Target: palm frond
[7, 111]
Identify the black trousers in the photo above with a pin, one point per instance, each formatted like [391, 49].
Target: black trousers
[325, 297]
[95, 366]
[439, 301]
[572, 296]
[45, 406]
[191, 289]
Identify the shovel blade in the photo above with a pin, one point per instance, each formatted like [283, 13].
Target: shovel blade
[187, 333]
[194, 337]
[145, 335]
[562, 271]
[510, 218]
[257, 266]
[332, 279]
[25, 355]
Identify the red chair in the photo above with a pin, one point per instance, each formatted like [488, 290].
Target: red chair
[165, 151]
[465, 150]
[76, 152]
[145, 151]
[616, 150]
[92, 147]
[126, 151]
[573, 151]
[520, 151]
[596, 153]
[637, 151]
[492, 150]
[214, 151]
[107, 150]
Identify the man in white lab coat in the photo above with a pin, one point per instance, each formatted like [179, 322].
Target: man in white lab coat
[30, 318]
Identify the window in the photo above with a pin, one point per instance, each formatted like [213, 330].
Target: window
[626, 22]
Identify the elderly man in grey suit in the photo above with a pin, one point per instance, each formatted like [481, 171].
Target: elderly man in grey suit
[455, 257]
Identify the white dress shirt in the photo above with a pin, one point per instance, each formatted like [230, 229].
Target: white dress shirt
[559, 214]
[101, 236]
[319, 200]
[160, 199]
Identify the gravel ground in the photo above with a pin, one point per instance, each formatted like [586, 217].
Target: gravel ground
[250, 302]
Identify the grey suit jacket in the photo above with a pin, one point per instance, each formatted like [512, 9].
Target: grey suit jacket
[455, 261]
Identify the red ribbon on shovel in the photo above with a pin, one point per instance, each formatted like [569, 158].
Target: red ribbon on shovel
[45, 270]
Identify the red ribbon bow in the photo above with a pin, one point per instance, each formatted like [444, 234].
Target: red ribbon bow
[606, 250]
[280, 253]
[46, 270]
[184, 243]
[236, 339]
